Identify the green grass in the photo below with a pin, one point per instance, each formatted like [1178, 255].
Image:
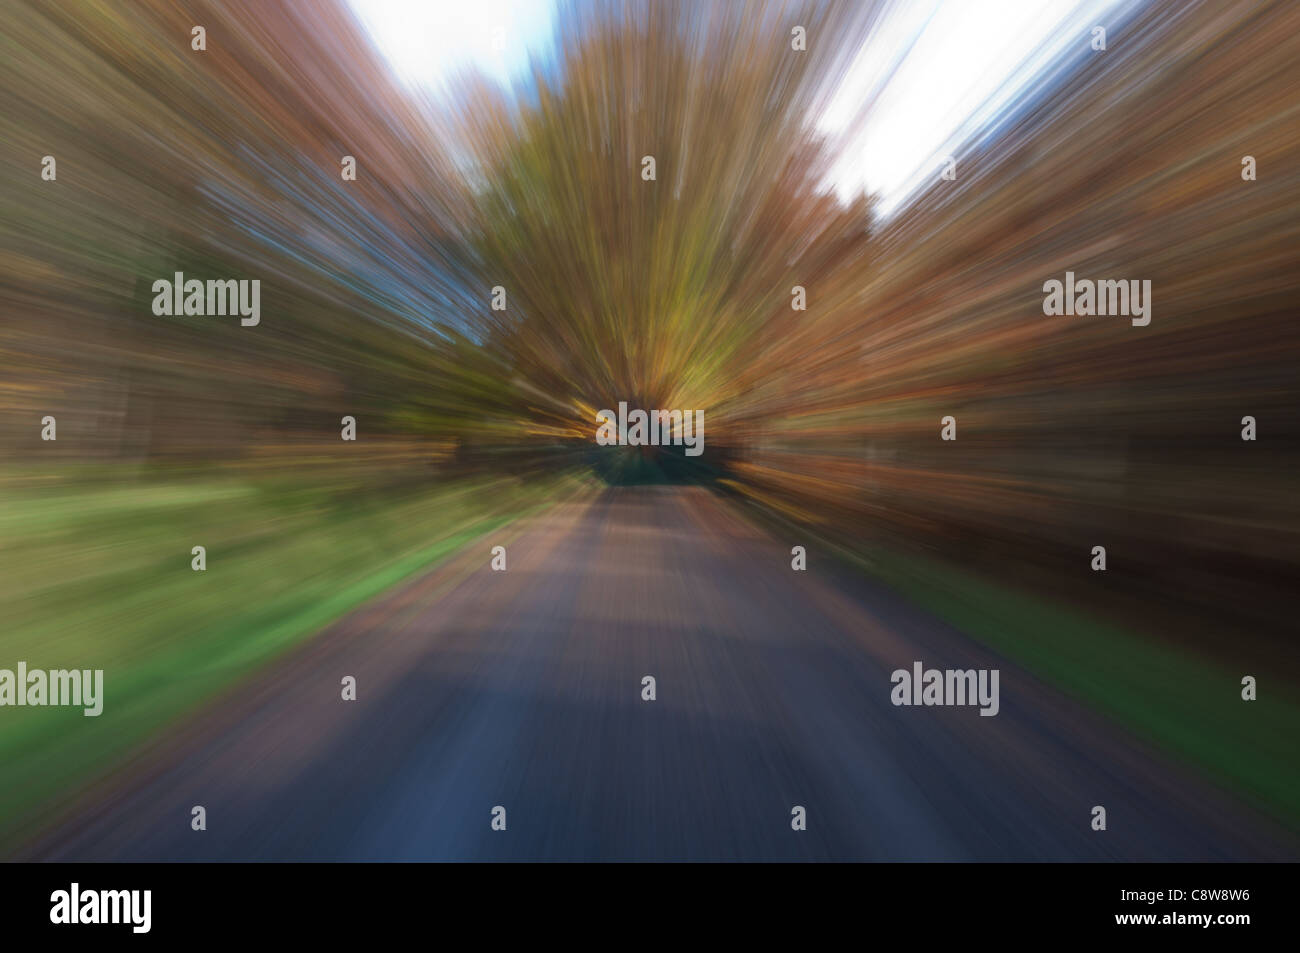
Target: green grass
[95, 573]
[1178, 701]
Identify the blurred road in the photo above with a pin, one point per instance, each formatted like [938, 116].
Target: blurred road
[523, 689]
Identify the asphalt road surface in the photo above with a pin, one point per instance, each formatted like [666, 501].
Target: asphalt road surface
[522, 689]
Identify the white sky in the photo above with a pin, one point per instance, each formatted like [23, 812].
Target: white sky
[936, 68]
[428, 40]
[940, 69]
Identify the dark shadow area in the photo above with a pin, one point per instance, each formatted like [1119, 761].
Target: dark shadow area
[638, 466]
